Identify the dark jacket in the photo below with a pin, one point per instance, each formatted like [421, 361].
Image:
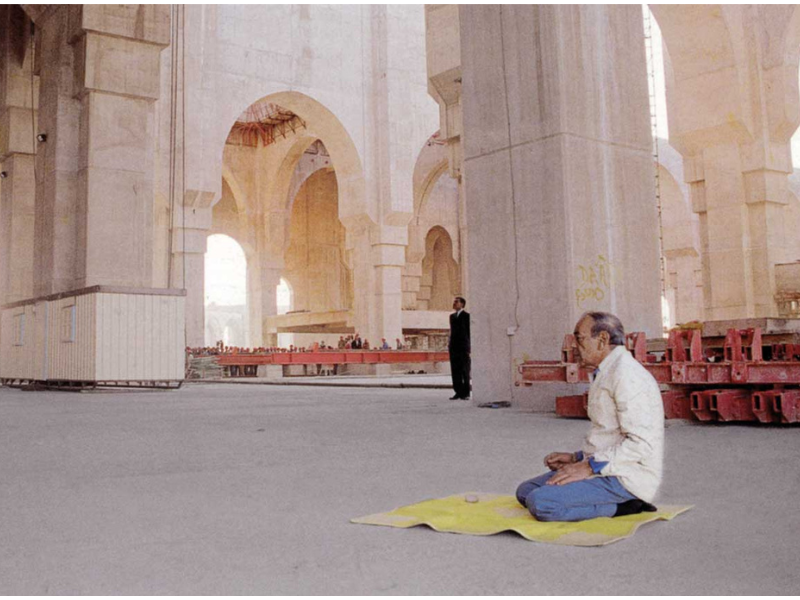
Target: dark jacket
[459, 334]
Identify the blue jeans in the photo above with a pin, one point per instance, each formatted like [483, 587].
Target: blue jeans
[578, 501]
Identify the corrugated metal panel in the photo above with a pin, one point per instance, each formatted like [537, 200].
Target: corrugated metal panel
[40, 320]
[71, 338]
[22, 357]
[11, 360]
[139, 337]
[180, 339]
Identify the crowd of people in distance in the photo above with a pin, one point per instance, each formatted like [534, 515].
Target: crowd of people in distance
[354, 342]
[350, 342]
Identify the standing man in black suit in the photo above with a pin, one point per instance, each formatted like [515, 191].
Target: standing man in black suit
[459, 348]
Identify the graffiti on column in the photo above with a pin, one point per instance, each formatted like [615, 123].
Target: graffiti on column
[594, 281]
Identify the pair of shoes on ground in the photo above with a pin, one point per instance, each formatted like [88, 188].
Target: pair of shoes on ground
[634, 507]
[457, 397]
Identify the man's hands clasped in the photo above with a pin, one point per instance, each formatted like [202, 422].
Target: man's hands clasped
[567, 469]
[555, 460]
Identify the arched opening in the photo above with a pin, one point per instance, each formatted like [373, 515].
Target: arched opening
[285, 297]
[233, 332]
[214, 332]
[285, 304]
[225, 291]
[440, 276]
[298, 178]
[436, 206]
[315, 257]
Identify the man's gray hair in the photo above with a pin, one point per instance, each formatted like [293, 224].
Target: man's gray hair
[603, 321]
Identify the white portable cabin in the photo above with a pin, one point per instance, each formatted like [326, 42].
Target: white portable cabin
[99, 335]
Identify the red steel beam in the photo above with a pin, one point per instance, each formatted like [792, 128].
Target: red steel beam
[701, 405]
[684, 373]
[787, 405]
[677, 405]
[676, 352]
[732, 405]
[764, 406]
[332, 358]
[572, 406]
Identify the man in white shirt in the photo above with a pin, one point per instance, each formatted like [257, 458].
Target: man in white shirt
[618, 470]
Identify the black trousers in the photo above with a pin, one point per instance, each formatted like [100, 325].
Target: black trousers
[459, 369]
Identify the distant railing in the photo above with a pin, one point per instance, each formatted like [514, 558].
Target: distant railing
[334, 357]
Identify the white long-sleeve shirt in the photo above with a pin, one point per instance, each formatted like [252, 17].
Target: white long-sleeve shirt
[627, 416]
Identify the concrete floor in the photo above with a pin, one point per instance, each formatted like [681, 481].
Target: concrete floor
[226, 489]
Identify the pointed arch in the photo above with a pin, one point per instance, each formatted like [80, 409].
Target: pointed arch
[322, 124]
[440, 273]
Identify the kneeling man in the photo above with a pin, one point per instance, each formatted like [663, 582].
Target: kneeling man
[618, 471]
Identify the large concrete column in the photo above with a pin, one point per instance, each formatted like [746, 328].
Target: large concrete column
[17, 218]
[269, 222]
[742, 229]
[56, 220]
[99, 80]
[463, 239]
[189, 243]
[389, 157]
[376, 256]
[117, 61]
[18, 99]
[558, 182]
[680, 240]
[682, 281]
[269, 277]
[254, 324]
[359, 258]
[732, 97]
[388, 251]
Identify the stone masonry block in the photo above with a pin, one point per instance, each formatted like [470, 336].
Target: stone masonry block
[397, 236]
[118, 227]
[766, 186]
[386, 255]
[15, 131]
[410, 284]
[144, 22]
[117, 133]
[117, 65]
[16, 90]
[413, 269]
[194, 242]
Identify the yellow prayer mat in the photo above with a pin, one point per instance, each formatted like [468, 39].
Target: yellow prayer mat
[475, 513]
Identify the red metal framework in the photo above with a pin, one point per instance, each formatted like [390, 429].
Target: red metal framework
[742, 381]
[333, 358]
[265, 122]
